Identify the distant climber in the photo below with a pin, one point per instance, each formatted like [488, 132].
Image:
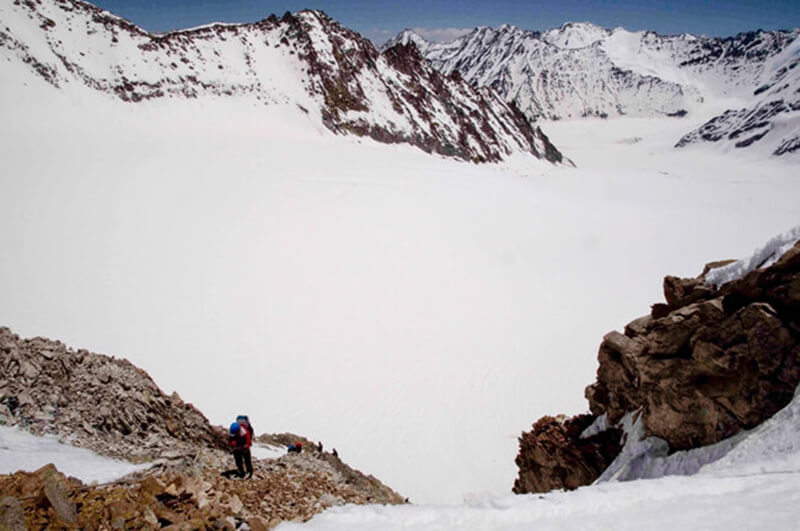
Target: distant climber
[335, 453]
[319, 446]
[295, 448]
[240, 441]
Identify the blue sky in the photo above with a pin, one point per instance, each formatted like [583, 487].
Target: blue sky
[379, 20]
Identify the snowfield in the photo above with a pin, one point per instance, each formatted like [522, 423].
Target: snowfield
[20, 450]
[412, 312]
[750, 481]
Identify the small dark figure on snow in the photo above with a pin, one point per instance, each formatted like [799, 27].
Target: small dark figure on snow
[319, 447]
[240, 441]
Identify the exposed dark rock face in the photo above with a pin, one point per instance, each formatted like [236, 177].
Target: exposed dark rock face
[554, 456]
[305, 59]
[702, 367]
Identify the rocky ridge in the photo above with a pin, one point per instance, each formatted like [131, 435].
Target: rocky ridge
[115, 409]
[306, 60]
[705, 365]
[97, 402]
[769, 120]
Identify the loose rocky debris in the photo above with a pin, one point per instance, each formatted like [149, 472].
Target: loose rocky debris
[112, 407]
[699, 368]
[189, 496]
[97, 402]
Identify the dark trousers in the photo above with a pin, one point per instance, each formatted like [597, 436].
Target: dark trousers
[242, 457]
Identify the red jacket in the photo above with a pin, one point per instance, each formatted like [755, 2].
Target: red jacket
[242, 440]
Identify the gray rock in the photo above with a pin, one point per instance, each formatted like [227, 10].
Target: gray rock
[12, 517]
[59, 499]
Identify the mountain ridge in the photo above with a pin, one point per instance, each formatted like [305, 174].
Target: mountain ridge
[309, 60]
[582, 70]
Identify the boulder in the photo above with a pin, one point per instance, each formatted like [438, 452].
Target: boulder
[710, 362]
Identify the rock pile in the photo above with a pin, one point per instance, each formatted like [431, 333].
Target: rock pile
[705, 365]
[110, 406]
[97, 402]
[291, 488]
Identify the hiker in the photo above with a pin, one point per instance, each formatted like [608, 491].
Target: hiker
[240, 441]
[319, 446]
[243, 420]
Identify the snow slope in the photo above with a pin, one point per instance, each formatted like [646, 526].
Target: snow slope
[751, 481]
[19, 450]
[413, 312]
[771, 121]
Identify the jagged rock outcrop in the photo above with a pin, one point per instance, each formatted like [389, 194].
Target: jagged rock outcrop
[554, 453]
[709, 363]
[306, 60]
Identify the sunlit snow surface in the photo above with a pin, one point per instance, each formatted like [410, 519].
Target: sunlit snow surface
[413, 312]
[20, 450]
[264, 451]
[754, 484]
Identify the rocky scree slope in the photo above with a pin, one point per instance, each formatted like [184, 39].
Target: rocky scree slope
[306, 59]
[582, 70]
[702, 367]
[115, 409]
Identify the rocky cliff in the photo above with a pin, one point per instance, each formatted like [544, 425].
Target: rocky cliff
[115, 409]
[713, 360]
[305, 60]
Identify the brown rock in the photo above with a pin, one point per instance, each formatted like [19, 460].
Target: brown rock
[700, 368]
[709, 368]
[257, 523]
[553, 456]
[638, 326]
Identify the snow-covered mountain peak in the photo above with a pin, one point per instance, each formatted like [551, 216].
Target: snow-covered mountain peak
[573, 35]
[581, 70]
[772, 118]
[405, 37]
[305, 60]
